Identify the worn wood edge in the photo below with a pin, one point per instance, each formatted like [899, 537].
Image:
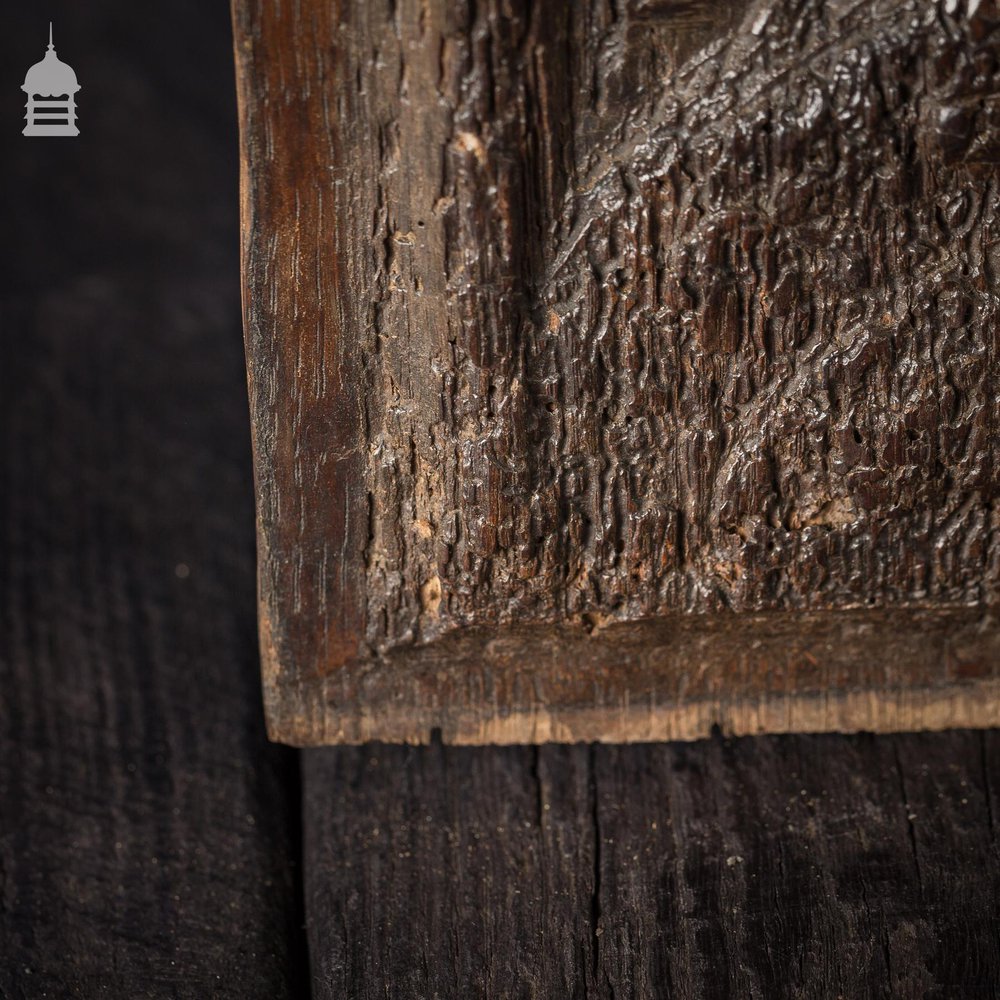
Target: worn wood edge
[269, 657]
[971, 706]
[668, 679]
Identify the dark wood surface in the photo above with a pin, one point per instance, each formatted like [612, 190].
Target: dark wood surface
[803, 867]
[149, 838]
[563, 316]
[775, 672]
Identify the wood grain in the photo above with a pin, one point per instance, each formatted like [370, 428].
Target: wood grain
[567, 316]
[777, 867]
[148, 831]
[673, 678]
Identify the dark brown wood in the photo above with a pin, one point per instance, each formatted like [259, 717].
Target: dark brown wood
[774, 867]
[753, 673]
[149, 833]
[564, 320]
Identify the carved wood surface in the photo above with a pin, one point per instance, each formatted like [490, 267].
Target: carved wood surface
[149, 843]
[569, 318]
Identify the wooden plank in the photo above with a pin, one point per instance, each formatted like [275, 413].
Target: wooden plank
[148, 831]
[564, 321]
[674, 677]
[772, 867]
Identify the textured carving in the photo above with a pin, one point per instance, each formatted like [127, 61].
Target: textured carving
[569, 315]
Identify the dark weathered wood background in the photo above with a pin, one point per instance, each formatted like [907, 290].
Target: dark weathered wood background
[799, 867]
[148, 834]
[562, 316]
[149, 841]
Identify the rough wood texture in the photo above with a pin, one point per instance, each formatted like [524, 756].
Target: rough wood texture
[778, 867]
[148, 830]
[759, 673]
[566, 315]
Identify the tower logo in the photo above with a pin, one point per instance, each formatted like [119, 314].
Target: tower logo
[51, 87]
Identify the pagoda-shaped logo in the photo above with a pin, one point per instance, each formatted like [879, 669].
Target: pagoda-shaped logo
[51, 88]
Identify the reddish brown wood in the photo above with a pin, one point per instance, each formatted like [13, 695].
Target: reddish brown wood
[650, 344]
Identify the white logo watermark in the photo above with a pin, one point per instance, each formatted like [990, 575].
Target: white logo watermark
[51, 87]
